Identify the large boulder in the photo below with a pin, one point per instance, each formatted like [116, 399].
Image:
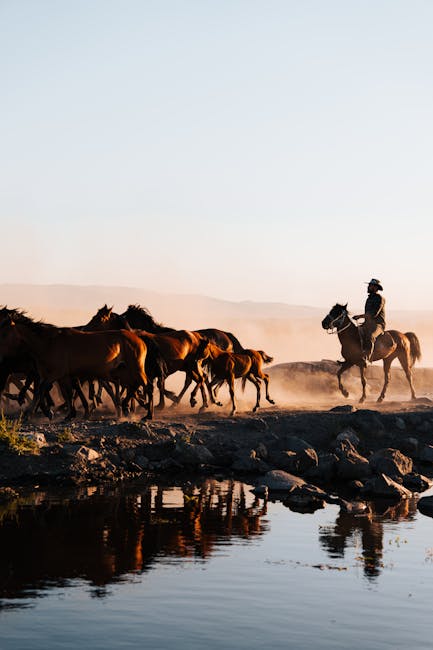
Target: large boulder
[348, 434]
[326, 469]
[426, 454]
[248, 461]
[279, 481]
[189, 454]
[417, 482]
[351, 465]
[298, 456]
[383, 487]
[425, 505]
[391, 462]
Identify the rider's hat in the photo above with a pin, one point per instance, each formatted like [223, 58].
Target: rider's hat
[376, 283]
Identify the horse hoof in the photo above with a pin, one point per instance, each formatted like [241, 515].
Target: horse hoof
[345, 393]
[380, 399]
[271, 401]
[218, 403]
[362, 400]
[193, 402]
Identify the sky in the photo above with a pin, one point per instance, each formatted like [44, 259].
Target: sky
[246, 150]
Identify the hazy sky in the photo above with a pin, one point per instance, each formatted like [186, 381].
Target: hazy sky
[272, 150]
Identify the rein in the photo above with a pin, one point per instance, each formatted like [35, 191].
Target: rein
[333, 327]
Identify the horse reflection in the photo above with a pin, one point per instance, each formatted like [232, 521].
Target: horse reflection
[102, 539]
[366, 532]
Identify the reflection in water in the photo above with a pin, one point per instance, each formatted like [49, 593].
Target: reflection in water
[365, 532]
[102, 537]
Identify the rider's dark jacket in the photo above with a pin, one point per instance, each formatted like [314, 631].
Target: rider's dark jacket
[375, 307]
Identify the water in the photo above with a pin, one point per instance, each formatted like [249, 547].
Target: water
[209, 567]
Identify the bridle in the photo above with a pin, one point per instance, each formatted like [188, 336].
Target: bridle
[335, 324]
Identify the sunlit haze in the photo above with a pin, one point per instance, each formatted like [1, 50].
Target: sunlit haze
[271, 151]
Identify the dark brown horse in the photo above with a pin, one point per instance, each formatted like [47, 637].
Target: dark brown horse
[228, 366]
[139, 318]
[389, 346]
[62, 354]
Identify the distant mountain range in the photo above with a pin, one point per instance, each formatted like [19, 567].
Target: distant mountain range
[288, 332]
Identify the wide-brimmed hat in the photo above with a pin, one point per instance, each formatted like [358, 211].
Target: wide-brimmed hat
[376, 283]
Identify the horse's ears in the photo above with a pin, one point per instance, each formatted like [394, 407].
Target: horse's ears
[345, 306]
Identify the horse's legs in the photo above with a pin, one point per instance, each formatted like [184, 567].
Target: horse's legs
[80, 394]
[256, 383]
[187, 384]
[231, 383]
[344, 366]
[363, 382]
[263, 375]
[386, 376]
[404, 358]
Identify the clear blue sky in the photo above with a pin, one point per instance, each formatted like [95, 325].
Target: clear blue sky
[272, 150]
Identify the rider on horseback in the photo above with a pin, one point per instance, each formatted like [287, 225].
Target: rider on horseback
[374, 319]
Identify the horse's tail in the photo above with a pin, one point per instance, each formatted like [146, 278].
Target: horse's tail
[265, 357]
[415, 347]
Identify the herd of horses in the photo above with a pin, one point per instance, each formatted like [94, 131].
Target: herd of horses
[128, 354]
[125, 355]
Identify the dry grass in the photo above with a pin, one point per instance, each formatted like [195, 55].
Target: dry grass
[13, 439]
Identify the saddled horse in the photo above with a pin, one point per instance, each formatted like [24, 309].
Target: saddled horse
[390, 345]
[228, 366]
[65, 354]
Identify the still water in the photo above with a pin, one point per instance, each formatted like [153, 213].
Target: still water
[208, 566]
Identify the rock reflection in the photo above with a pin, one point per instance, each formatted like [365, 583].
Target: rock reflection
[366, 533]
[104, 537]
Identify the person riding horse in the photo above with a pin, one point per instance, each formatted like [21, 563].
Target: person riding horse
[374, 319]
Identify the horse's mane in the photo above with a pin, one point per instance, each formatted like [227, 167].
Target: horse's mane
[143, 314]
[20, 316]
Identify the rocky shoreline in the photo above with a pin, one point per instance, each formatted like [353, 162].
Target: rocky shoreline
[360, 453]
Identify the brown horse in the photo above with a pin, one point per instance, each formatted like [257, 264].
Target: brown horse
[139, 318]
[62, 354]
[388, 346]
[228, 366]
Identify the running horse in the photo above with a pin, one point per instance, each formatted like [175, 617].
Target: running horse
[390, 345]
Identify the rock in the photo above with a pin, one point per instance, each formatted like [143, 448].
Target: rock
[424, 427]
[128, 454]
[261, 451]
[425, 505]
[417, 482]
[142, 461]
[37, 438]
[426, 454]
[391, 462]
[343, 408]
[306, 456]
[409, 446]
[351, 465]
[348, 434]
[368, 423]
[400, 423]
[326, 469]
[355, 486]
[186, 453]
[383, 486]
[249, 462]
[279, 481]
[87, 454]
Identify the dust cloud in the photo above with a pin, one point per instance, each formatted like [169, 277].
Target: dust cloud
[292, 335]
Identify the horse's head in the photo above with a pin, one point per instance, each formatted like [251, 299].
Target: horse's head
[336, 317]
[10, 338]
[203, 350]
